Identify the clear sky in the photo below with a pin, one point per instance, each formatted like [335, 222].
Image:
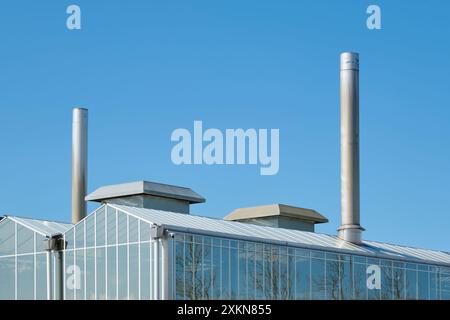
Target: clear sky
[145, 68]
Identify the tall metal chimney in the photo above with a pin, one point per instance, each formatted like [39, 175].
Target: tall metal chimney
[350, 229]
[79, 163]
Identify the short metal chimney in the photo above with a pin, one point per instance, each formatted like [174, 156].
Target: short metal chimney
[350, 229]
[79, 163]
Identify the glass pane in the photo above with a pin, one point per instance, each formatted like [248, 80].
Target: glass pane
[7, 238]
[122, 226]
[79, 235]
[423, 288]
[411, 284]
[101, 273]
[234, 266]
[79, 270]
[275, 281]
[111, 221]
[69, 238]
[100, 228]
[318, 279]
[90, 231]
[134, 271]
[243, 275]
[145, 231]
[259, 273]
[133, 229]
[112, 273]
[268, 278]
[207, 272]
[346, 280]
[25, 277]
[332, 279]
[7, 286]
[283, 276]
[302, 278]
[69, 276]
[360, 281]
[179, 270]
[90, 274]
[123, 272]
[145, 271]
[398, 283]
[41, 276]
[225, 273]
[25, 240]
[216, 273]
[386, 283]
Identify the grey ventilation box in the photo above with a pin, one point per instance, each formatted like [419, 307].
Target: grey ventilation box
[150, 195]
[279, 216]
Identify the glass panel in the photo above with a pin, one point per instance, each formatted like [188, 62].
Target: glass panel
[267, 280]
[7, 274]
[134, 271]
[423, 286]
[25, 240]
[189, 271]
[145, 270]
[79, 262]
[69, 275]
[100, 228]
[145, 231]
[360, 281]
[346, 279]
[69, 238]
[332, 279]
[283, 277]
[90, 274]
[133, 229]
[243, 277]
[434, 285]
[291, 277]
[90, 231]
[123, 271]
[112, 273]
[7, 238]
[179, 270]
[25, 277]
[111, 229]
[216, 276]
[445, 286]
[207, 272]
[318, 279]
[79, 235]
[275, 281]
[302, 278]
[122, 226]
[398, 283]
[41, 276]
[101, 272]
[411, 284]
[225, 272]
[234, 267]
[250, 273]
[386, 283]
[259, 281]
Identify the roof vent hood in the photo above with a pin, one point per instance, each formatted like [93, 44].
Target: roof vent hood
[279, 216]
[149, 195]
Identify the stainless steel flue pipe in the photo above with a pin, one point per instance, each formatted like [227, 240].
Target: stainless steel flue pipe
[79, 163]
[350, 229]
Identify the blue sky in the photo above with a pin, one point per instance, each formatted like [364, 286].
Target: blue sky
[145, 68]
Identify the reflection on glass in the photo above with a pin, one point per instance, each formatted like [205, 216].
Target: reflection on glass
[318, 279]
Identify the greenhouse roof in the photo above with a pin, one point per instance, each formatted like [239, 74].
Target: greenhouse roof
[43, 227]
[217, 227]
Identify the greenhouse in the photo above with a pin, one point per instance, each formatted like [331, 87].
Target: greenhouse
[128, 252]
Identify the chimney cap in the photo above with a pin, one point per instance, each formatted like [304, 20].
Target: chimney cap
[276, 210]
[145, 188]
